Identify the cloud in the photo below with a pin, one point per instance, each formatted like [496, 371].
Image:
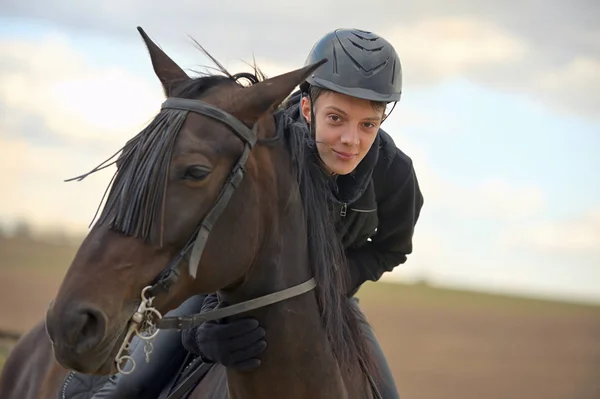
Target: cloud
[548, 52]
[498, 199]
[492, 199]
[33, 188]
[577, 82]
[437, 48]
[60, 117]
[73, 100]
[579, 235]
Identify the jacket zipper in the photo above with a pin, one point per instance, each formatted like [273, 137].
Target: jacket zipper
[344, 210]
[364, 210]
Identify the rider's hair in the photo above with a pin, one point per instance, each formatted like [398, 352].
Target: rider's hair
[315, 91]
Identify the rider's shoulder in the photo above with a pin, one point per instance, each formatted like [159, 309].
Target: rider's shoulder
[392, 158]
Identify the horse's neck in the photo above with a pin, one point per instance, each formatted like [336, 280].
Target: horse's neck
[298, 362]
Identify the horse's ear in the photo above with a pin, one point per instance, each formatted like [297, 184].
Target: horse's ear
[167, 71]
[268, 94]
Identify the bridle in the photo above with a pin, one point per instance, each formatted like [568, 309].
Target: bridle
[142, 321]
[147, 318]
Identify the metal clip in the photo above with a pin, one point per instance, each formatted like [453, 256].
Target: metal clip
[142, 324]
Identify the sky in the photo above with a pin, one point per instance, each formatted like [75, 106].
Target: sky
[499, 113]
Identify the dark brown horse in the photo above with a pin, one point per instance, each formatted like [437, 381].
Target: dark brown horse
[31, 371]
[212, 161]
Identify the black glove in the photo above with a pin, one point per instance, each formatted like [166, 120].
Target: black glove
[236, 343]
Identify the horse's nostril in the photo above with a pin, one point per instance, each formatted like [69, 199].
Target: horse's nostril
[88, 328]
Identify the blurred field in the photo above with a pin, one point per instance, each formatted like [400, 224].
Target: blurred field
[440, 343]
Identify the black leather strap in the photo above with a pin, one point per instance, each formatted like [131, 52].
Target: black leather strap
[202, 108]
[184, 322]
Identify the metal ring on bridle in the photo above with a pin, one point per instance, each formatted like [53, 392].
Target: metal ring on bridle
[140, 333]
[125, 358]
[143, 295]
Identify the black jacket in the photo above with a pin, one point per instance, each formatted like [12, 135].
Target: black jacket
[379, 204]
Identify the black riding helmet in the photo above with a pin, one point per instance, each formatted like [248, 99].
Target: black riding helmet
[361, 64]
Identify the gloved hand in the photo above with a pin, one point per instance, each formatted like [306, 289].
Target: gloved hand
[236, 343]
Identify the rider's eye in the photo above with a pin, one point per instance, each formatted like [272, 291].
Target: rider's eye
[196, 173]
[335, 118]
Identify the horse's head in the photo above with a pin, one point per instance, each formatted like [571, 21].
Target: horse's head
[176, 182]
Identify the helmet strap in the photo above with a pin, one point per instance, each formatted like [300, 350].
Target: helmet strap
[388, 115]
[313, 131]
[311, 124]
[312, 128]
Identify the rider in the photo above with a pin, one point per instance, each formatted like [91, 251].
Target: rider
[341, 107]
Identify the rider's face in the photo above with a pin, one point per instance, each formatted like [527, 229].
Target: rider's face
[346, 127]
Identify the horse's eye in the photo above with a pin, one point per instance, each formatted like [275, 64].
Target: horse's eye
[196, 173]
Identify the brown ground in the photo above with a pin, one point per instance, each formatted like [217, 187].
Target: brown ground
[441, 344]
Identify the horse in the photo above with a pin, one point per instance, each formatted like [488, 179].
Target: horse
[31, 371]
[210, 197]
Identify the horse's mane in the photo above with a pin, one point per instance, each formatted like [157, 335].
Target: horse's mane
[326, 255]
[136, 199]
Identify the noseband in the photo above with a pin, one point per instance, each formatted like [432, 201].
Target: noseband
[147, 318]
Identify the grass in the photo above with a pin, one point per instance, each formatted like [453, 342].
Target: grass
[29, 255]
[394, 294]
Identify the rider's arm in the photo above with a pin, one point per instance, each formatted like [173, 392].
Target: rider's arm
[398, 212]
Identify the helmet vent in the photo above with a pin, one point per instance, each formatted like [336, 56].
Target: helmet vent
[372, 50]
[371, 39]
[335, 60]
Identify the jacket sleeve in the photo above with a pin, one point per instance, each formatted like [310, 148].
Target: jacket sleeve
[398, 211]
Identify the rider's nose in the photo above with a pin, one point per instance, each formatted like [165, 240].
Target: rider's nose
[350, 137]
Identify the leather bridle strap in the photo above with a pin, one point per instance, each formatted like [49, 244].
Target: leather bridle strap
[202, 108]
[235, 178]
[197, 242]
[170, 274]
[184, 322]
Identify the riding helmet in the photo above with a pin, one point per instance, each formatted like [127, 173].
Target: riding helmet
[361, 64]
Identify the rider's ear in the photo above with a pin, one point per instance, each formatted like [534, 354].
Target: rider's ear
[268, 94]
[305, 108]
[167, 71]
